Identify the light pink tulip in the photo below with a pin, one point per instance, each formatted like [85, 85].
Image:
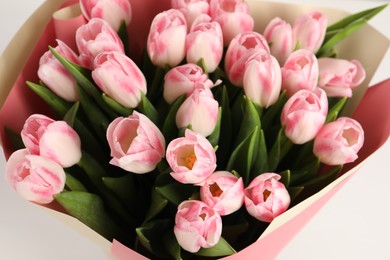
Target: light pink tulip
[339, 77]
[112, 11]
[240, 49]
[200, 110]
[54, 74]
[205, 41]
[223, 191]
[192, 158]
[191, 9]
[300, 72]
[167, 37]
[34, 177]
[136, 144]
[262, 79]
[278, 33]
[339, 142]
[119, 77]
[266, 197]
[233, 16]
[304, 114]
[309, 31]
[55, 140]
[95, 37]
[197, 226]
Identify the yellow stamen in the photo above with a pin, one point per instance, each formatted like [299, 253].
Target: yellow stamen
[203, 216]
[266, 194]
[189, 161]
[215, 190]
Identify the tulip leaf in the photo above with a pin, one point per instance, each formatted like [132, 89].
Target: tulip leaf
[222, 248]
[202, 64]
[169, 128]
[298, 177]
[294, 191]
[15, 139]
[171, 245]
[176, 192]
[118, 108]
[325, 177]
[279, 149]
[334, 111]
[74, 184]
[70, 116]
[285, 177]
[273, 112]
[261, 161]
[157, 204]
[214, 136]
[155, 89]
[123, 35]
[146, 107]
[251, 119]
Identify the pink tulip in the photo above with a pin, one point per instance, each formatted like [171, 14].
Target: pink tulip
[191, 9]
[300, 72]
[95, 37]
[167, 37]
[197, 225]
[262, 79]
[339, 142]
[54, 74]
[192, 158]
[119, 78]
[309, 31]
[304, 114]
[113, 11]
[223, 191]
[200, 110]
[136, 144]
[55, 140]
[233, 16]
[34, 177]
[240, 49]
[266, 197]
[338, 77]
[205, 41]
[278, 33]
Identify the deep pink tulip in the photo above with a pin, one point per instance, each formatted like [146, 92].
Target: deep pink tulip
[191, 9]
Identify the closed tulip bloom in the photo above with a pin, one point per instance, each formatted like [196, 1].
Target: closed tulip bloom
[266, 197]
[54, 74]
[262, 79]
[55, 140]
[112, 11]
[136, 143]
[339, 142]
[197, 226]
[309, 30]
[300, 72]
[200, 110]
[304, 114]
[339, 77]
[191, 9]
[204, 41]
[167, 37]
[34, 177]
[119, 78]
[278, 33]
[192, 158]
[95, 37]
[223, 191]
[240, 49]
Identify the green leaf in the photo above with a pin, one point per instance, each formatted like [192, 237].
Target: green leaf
[334, 111]
[155, 89]
[171, 245]
[169, 128]
[273, 112]
[261, 160]
[294, 191]
[157, 205]
[214, 136]
[146, 107]
[176, 192]
[74, 184]
[123, 35]
[300, 176]
[325, 177]
[202, 64]
[151, 234]
[222, 248]
[70, 116]
[115, 106]
[15, 139]
[286, 177]
[250, 121]
[279, 149]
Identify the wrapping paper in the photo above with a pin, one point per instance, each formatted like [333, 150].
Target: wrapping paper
[59, 19]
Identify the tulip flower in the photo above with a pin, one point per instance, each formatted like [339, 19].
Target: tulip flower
[266, 197]
[278, 33]
[191, 9]
[205, 41]
[192, 158]
[200, 111]
[166, 39]
[119, 78]
[114, 11]
[304, 114]
[197, 226]
[223, 191]
[262, 79]
[339, 77]
[300, 72]
[54, 74]
[95, 37]
[55, 140]
[240, 49]
[309, 31]
[34, 177]
[339, 142]
[136, 144]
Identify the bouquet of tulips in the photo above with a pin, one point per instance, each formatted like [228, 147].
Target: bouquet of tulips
[193, 146]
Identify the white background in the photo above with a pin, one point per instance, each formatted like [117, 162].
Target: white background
[353, 225]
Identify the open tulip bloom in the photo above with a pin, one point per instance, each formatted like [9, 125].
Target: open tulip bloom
[198, 147]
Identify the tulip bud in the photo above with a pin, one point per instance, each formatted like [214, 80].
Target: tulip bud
[119, 78]
[34, 177]
[191, 9]
[304, 114]
[339, 142]
[136, 144]
[266, 197]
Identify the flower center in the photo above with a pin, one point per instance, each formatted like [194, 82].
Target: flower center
[215, 190]
[351, 136]
[187, 157]
[266, 194]
[203, 216]
[189, 161]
